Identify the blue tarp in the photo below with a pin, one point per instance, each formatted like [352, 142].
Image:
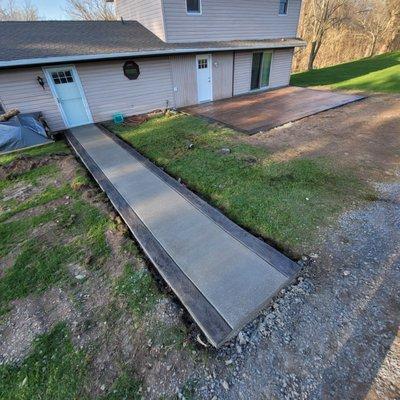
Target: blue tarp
[23, 130]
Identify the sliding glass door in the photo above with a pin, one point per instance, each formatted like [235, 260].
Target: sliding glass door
[260, 69]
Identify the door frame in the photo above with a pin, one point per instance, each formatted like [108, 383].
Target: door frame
[211, 76]
[261, 88]
[47, 73]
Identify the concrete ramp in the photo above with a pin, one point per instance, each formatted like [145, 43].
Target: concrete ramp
[222, 274]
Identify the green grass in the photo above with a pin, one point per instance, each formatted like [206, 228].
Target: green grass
[283, 202]
[138, 289]
[52, 148]
[375, 74]
[54, 370]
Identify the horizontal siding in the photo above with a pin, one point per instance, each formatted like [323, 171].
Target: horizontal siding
[184, 79]
[222, 75]
[147, 12]
[19, 89]
[108, 91]
[242, 73]
[229, 20]
[280, 70]
[281, 67]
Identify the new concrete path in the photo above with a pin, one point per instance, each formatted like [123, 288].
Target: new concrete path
[222, 274]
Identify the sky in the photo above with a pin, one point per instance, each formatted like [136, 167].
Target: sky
[49, 9]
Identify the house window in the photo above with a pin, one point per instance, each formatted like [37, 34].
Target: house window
[283, 6]
[131, 70]
[193, 6]
[260, 70]
[62, 77]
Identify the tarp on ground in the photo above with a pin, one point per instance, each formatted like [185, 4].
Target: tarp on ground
[23, 130]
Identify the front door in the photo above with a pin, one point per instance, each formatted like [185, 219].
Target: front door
[69, 94]
[204, 78]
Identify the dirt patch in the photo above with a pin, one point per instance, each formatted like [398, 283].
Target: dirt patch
[26, 163]
[364, 135]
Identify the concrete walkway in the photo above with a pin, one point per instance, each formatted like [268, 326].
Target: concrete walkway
[222, 274]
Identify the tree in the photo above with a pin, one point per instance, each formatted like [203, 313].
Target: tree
[379, 21]
[12, 12]
[90, 10]
[320, 16]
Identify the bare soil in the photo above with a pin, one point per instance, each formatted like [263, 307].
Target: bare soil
[364, 135]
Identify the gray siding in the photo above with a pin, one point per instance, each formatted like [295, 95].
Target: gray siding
[19, 89]
[222, 75]
[147, 12]
[184, 79]
[108, 91]
[280, 70]
[229, 20]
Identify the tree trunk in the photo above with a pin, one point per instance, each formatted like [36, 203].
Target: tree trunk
[373, 45]
[313, 54]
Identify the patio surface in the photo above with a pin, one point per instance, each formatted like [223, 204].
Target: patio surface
[252, 113]
[222, 274]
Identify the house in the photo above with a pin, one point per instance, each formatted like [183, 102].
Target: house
[158, 54]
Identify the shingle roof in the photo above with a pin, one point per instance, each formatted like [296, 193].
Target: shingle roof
[27, 43]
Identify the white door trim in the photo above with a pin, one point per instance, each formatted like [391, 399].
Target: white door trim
[46, 71]
[209, 55]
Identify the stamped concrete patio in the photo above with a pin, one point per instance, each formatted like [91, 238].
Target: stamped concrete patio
[222, 274]
[252, 113]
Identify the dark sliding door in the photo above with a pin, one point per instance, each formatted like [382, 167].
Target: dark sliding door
[260, 70]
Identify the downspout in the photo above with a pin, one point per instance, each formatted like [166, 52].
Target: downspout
[233, 73]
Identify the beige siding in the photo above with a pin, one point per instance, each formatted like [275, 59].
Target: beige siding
[184, 79]
[108, 91]
[281, 67]
[280, 70]
[147, 12]
[242, 73]
[19, 89]
[229, 20]
[222, 75]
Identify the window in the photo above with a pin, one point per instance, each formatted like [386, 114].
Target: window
[131, 70]
[193, 6]
[283, 6]
[62, 77]
[260, 70]
[202, 63]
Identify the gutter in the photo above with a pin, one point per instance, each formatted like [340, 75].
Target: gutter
[148, 53]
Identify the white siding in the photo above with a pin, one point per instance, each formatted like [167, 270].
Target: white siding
[229, 20]
[19, 89]
[242, 74]
[281, 67]
[222, 75]
[184, 79]
[147, 12]
[280, 70]
[108, 91]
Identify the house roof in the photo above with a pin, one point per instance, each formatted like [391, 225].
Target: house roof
[46, 42]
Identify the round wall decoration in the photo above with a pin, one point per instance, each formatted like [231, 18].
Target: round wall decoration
[131, 70]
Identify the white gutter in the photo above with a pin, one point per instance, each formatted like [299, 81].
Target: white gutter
[109, 56]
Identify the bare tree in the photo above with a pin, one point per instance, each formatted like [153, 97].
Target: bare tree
[320, 16]
[10, 11]
[89, 10]
[379, 21]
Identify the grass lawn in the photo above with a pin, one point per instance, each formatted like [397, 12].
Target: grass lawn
[284, 202]
[375, 74]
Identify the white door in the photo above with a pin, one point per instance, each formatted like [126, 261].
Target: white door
[67, 89]
[204, 78]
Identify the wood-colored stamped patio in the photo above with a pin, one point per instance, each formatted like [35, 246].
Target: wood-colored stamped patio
[256, 112]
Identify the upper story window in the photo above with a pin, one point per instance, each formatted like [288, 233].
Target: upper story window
[193, 6]
[283, 6]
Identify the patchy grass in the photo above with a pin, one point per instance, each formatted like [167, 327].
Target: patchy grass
[138, 289]
[51, 148]
[126, 387]
[54, 370]
[375, 74]
[282, 201]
